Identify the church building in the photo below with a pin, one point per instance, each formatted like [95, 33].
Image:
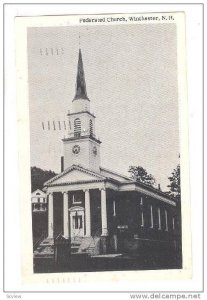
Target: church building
[100, 209]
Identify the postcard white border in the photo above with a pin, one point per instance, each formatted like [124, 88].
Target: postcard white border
[25, 120]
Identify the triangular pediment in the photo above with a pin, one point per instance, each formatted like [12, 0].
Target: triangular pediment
[74, 174]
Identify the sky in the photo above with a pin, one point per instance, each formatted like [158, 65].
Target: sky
[131, 80]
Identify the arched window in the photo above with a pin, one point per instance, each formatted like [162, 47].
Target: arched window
[91, 127]
[77, 127]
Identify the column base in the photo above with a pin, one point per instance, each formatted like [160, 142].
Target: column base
[104, 244]
[104, 232]
[87, 235]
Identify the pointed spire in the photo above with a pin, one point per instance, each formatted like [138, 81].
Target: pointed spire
[80, 92]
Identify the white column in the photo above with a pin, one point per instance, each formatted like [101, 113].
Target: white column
[65, 215]
[87, 213]
[50, 215]
[104, 213]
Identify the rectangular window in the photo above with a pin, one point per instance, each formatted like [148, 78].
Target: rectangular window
[77, 222]
[142, 219]
[173, 223]
[159, 219]
[151, 216]
[76, 200]
[166, 221]
[114, 208]
[80, 222]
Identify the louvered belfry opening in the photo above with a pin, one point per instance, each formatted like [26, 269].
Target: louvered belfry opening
[77, 127]
[91, 127]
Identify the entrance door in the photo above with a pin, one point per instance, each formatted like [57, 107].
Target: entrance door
[77, 223]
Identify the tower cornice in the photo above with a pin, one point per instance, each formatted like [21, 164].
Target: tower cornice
[81, 112]
[82, 138]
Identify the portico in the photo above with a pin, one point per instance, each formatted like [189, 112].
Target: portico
[76, 212]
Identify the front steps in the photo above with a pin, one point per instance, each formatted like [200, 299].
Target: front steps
[45, 249]
[75, 244]
[90, 245]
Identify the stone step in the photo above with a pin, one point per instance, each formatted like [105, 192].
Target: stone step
[75, 246]
[75, 243]
[45, 249]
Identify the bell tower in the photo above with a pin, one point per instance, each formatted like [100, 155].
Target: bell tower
[81, 147]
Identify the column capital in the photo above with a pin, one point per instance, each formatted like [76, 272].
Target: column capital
[102, 189]
[86, 190]
[65, 192]
[50, 193]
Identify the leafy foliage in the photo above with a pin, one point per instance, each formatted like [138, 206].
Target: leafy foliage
[39, 177]
[140, 175]
[175, 183]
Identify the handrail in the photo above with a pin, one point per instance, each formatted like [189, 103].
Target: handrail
[58, 235]
[93, 239]
[42, 237]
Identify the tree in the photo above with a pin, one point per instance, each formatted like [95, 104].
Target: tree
[140, 175]
[39, 177]
[175, 183]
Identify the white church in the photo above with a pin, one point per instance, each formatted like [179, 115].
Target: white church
[87, 202]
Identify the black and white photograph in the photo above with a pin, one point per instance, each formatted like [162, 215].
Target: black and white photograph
[104, 145]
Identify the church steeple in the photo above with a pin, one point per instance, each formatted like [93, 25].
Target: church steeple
[80, 92]
[81, 147]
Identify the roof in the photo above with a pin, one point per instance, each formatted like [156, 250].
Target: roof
[114, 175]
[77, 174]
[38, 192]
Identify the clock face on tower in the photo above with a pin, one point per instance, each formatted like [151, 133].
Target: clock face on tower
[76, 149]
[94, 150]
